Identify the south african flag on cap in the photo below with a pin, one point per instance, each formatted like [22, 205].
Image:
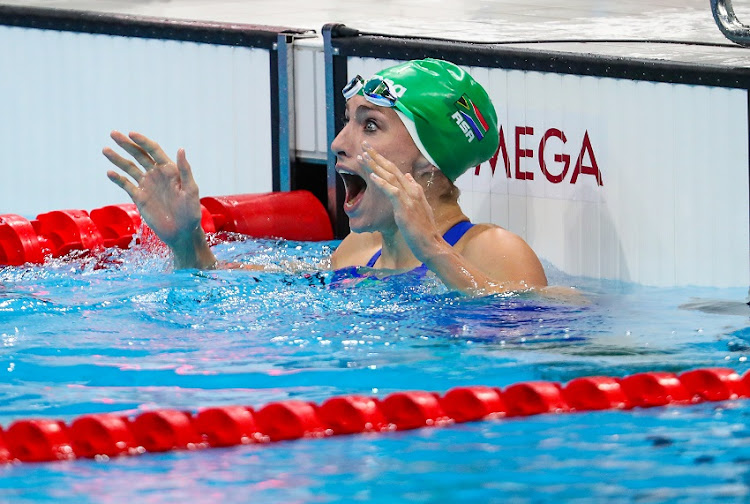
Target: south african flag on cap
[472, 116]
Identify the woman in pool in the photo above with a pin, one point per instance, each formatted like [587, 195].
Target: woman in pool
[410, 131]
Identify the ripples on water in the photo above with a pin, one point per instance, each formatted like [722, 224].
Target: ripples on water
[121, 332]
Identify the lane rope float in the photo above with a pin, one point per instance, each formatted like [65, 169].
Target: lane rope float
[101, 436]
[293, 215]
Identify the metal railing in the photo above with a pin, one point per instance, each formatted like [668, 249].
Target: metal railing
[728, 23]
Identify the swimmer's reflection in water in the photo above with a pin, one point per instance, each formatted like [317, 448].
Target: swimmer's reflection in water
[409, 132]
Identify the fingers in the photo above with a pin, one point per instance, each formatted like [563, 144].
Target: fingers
[186, 173]
[381, 166]
[125, 165]
[387, 175]
[129, 146]
[123, 182]
[151, 147]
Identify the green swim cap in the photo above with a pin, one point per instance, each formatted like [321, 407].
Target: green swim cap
[448, 114]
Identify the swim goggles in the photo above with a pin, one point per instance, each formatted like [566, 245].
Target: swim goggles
[376, 90]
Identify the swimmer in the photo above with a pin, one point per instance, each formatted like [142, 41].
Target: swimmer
[410, 131]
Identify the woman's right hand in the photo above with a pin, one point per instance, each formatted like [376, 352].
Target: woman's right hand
[166, 196]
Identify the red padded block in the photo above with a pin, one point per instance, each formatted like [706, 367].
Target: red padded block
[714, 384]
[293, 215]
[412, 410]
[466, 404]
[350, 414]
[39, 441]
[654, 389]
[19, 243]
[164, 430]
[68, 230]
[117, 224]
[101, 434]
[533, 398]
[289, 420]
[226, 426]
[595, 393]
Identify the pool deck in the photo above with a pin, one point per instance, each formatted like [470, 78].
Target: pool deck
[625, 28]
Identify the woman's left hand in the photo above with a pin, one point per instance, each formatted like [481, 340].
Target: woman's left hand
[411, 210]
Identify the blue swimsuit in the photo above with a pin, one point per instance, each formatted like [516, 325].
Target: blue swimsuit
[451, 236]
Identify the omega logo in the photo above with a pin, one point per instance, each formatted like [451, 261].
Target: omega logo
[585, 163]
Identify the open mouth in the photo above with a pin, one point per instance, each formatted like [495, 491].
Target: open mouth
[355, 187]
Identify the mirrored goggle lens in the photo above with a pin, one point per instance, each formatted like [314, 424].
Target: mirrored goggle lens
[353, 87]
[378, 91]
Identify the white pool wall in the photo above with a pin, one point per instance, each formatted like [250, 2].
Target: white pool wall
[61, 93]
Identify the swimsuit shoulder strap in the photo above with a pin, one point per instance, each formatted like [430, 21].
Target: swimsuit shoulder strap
[452, 236]
[457, 232]
[374, 258]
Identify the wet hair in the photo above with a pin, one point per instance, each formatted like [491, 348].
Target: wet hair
[445, 188]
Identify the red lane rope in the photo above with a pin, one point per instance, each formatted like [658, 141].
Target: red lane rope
[108, 435]
[293, 215]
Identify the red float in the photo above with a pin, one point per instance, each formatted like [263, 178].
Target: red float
[595, 393]
[533, 398]
[654, 389]
[63, 231]
[294, 215]
[467, 404]
[412, 410]
[227, 426]
[351, 414]
[19, 243]
[39, 440]
[102, 434]
[714, 384]
[5, 455]
[117, 224]
[291, 419]
[164, 430]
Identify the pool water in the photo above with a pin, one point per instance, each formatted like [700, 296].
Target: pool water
[120, 332]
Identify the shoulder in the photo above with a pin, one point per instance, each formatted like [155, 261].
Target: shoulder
[502, 255]
[355, 250]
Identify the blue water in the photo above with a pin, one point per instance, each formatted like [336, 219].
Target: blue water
[121, 332]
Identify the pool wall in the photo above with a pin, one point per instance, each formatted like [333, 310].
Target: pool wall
[69, 78]
[621, 169]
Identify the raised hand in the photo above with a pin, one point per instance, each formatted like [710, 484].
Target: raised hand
[166, 196]
[412, 212]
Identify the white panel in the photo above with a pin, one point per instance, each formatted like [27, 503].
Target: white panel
[482, 211]
[498, 180]
[729, 229]
[67, 91]
[515, 101]
[306, 113]
[688, 192]
[547, 231]
[252, 115]
[655, 186]
[621, 181]
[573, 99]
[611, 103]
[320, 104]
[534, 121]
